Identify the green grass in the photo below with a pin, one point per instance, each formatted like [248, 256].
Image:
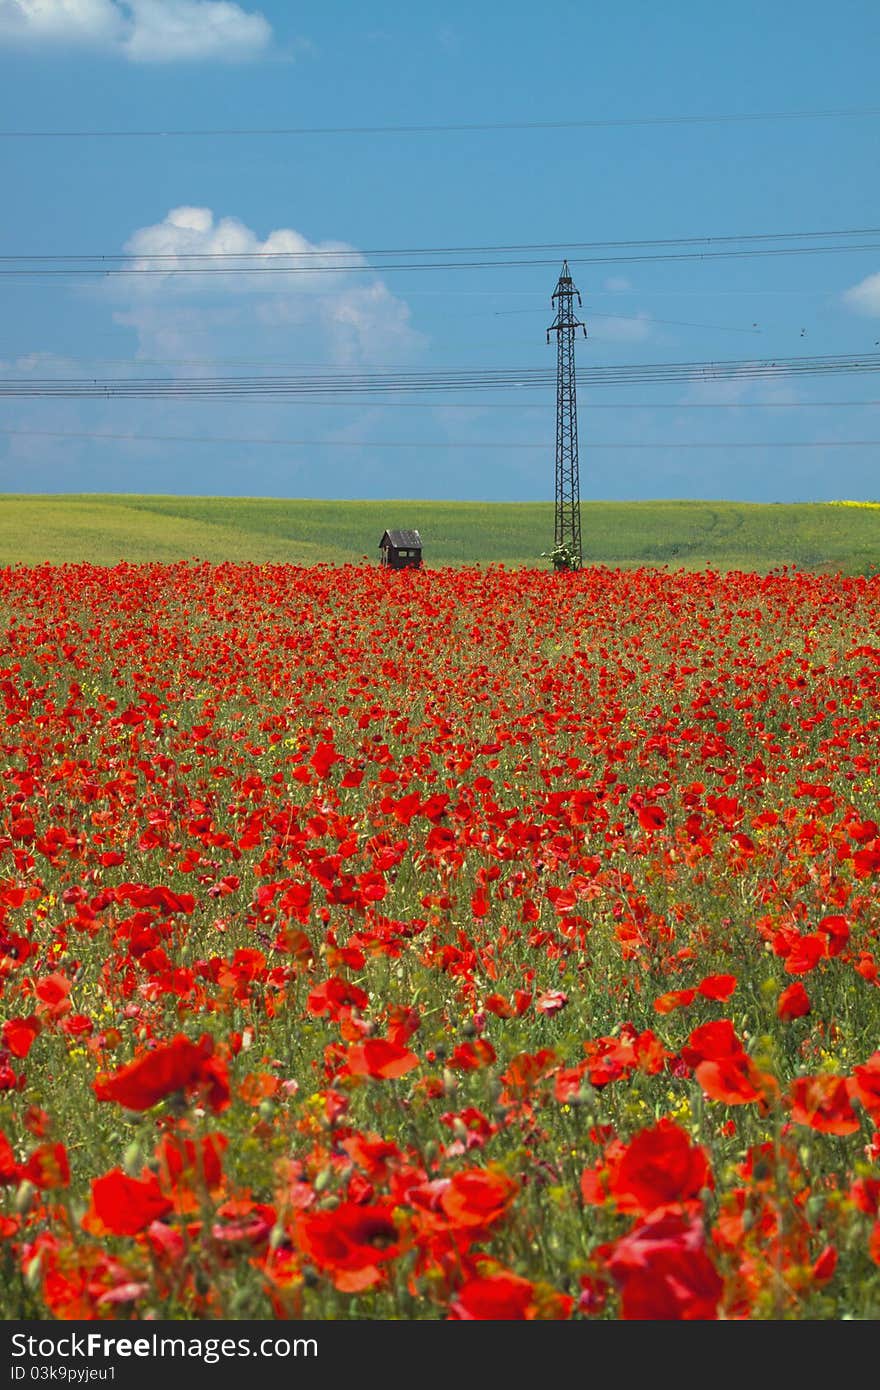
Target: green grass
[105, 528]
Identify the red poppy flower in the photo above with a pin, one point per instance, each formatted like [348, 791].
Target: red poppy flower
[499, 1006]
[675, 999]
[718, 987]
[712, 1042]
[377, 1157]
[805, 955]
[334, 995]
[526, 1069]
[793, 1002]
[836, 929]
[866, 861]
[550, 1001]
[505, 1297]
[8, 1166]
[864, 1085]
[663, 1271]
[323, 758]
[244, 1223]
[866, 966]
[179, 1065]
[471, 1056]
[160, 897]
[78, 1026]
[52, 992]
[825, 1265]
[349, 1243]
[123, 1206]
[822, 1102]
[184, 1161]
[47, 1167]
[381, 1059]
[19, 1034]
[722, 1066]
[478, 1197]
[499, 1298]
[660, 1166]
[865, 1193]
[732, 1080]
[649, 1053]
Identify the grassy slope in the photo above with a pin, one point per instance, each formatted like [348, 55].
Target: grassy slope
[728, 535]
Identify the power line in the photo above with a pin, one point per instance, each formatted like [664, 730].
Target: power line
[317, 252]
[508, 291]
[464, 128]
[408, 382]
[35, 273]
[548, 405]
[450, 444]
[646, 319]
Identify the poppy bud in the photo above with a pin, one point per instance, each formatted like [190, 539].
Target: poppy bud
[24, 1197]
[33, 1272]
[583, 1095]
[132, 1159]
[323, 1180]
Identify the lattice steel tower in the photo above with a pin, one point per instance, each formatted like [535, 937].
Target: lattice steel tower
[568, 489]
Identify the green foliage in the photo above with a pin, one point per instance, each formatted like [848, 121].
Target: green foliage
[563, 557]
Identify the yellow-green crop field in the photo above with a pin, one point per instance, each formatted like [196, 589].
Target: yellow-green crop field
[103, 529]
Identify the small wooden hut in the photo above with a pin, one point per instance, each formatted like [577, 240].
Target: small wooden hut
[401, 550]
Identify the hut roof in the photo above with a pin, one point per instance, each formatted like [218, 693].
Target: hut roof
[403, 540]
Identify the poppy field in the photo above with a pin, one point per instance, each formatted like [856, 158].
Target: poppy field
[468, 944]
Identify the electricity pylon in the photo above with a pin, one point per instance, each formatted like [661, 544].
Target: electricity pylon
[567, 537]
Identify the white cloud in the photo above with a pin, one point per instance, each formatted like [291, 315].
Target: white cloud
[191, 238]
[93, 22]
[175, 30]
[144, 31]
[359, 323]
[865, 297]
[318, 313]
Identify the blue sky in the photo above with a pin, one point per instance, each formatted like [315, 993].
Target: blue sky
[135, 65]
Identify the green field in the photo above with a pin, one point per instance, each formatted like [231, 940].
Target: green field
[103, 529]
